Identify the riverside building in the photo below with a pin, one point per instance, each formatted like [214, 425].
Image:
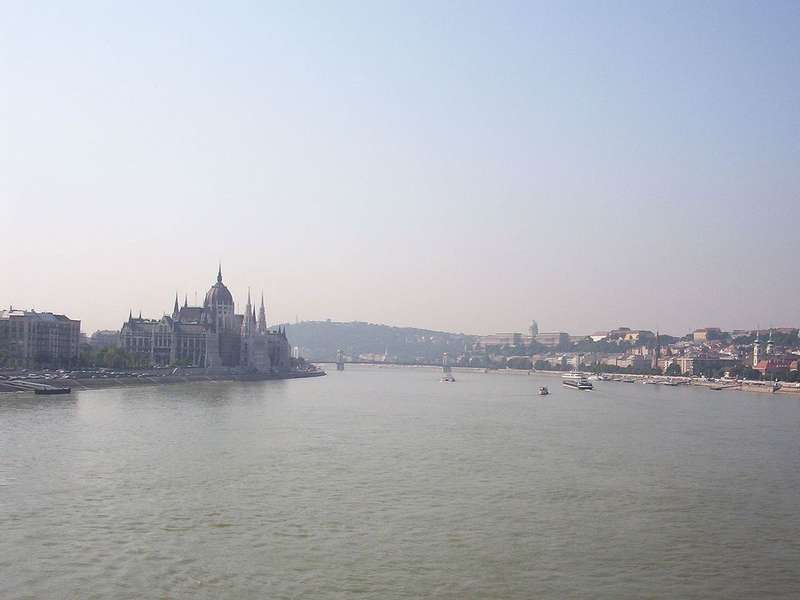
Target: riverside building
[30, 339]
[211, 336]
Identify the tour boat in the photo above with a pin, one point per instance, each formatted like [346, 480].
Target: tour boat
[576, 381]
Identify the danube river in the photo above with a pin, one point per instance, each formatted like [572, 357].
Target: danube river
[385, 483]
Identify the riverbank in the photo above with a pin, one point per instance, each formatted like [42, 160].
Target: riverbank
[117, 382]
[759, 387]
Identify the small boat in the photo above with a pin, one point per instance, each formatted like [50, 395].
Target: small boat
[543, 391]
[49, 391]
[448, 378]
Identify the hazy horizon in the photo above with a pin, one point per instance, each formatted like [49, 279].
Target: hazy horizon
[457, 167]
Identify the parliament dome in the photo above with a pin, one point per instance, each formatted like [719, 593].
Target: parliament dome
[218, 293]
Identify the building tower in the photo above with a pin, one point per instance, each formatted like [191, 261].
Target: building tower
[534, 329]
[756, 350]
[770, 344]
[222, 347]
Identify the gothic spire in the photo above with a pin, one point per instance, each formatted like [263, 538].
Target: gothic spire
[219, 273]
[175, 308]
[262, 316]
[185, 300]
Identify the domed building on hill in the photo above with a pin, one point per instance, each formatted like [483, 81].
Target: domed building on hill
[211, 336]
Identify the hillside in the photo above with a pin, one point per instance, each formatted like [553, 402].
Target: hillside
[320, 340]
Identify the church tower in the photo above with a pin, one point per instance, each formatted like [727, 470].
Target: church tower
[770, 344]
[756, 350]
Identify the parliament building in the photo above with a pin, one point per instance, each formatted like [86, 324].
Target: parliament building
[212, 336]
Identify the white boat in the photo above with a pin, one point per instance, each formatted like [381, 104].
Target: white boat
[576, 381]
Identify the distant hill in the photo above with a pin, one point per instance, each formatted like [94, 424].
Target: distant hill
[320, 340]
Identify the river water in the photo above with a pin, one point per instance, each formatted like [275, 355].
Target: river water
[385, 483]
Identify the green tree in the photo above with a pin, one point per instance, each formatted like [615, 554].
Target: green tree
[750, 373]
[673, 370]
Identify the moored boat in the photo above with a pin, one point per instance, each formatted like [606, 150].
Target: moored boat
[576, 381]
[49, 391]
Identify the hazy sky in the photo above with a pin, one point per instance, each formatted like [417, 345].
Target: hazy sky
[464, 166]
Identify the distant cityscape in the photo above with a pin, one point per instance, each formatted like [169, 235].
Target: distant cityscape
[709, 351]
[213, 335]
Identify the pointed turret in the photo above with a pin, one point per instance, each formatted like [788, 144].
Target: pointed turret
[175, 309]
[219, 273]
[770, 344]
[185, 300]
[262, 316]
[248, 323]
[130, 314]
